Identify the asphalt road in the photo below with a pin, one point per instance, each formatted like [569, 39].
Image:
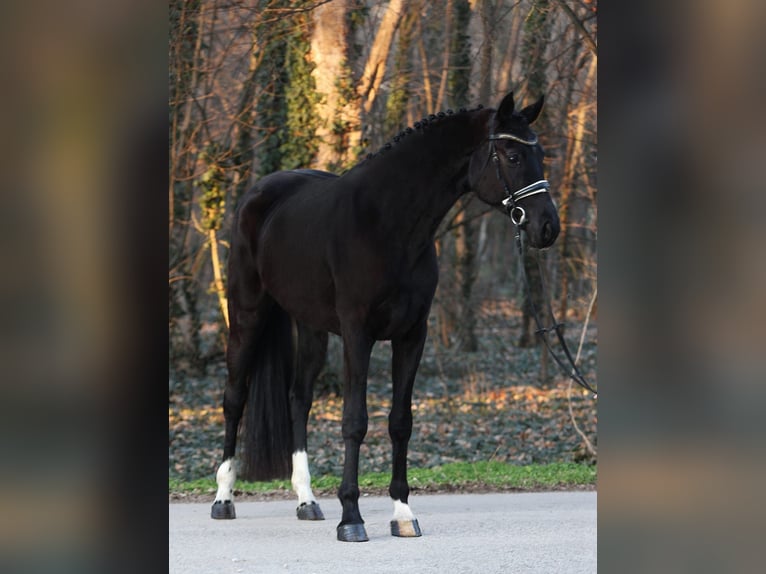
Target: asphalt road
[547, 532]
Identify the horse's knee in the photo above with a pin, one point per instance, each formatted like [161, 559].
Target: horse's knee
[400, 426]
[354, 428]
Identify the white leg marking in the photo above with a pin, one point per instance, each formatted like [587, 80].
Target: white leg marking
[225, 477]
[402, 511]
[301, 478]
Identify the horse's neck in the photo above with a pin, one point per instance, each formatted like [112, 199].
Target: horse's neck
[414, 207]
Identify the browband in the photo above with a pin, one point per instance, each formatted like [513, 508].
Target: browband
[514, 138]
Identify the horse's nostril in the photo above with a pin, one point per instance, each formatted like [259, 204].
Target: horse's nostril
[547, 233]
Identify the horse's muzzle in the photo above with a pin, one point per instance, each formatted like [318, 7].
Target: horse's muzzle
[548, 234]
[544, 235]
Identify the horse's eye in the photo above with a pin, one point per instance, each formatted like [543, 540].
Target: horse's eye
[514, 159]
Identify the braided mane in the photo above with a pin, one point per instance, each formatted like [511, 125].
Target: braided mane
[421, 126]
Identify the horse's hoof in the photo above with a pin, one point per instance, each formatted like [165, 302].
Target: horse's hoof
[405, 528]
[352, 533]
[309, 511]
[223, 509]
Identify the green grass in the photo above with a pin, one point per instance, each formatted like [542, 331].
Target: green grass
[498, 475]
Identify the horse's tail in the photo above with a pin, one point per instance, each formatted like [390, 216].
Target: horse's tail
[267, 360]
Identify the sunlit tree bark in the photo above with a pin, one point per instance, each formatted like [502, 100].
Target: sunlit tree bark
[336, 109]
[375, 67]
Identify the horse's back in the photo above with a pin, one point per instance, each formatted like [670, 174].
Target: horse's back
[316, 173]
[280, 185]
[270, 192]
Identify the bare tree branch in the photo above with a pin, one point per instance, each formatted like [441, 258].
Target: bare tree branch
[580, 26]
[588, 445]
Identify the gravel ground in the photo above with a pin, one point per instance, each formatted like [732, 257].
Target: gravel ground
[466, 534]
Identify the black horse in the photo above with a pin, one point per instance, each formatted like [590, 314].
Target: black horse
[354, 255]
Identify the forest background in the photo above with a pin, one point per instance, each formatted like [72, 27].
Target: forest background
[263, 85]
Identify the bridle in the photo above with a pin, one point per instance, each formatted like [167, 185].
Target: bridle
[515, 212]
[519, 217]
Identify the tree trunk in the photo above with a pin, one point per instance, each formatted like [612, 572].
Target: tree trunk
[465, 272]
[448, 50]
[329, 51]
[537, 28]
[401, 82]
[427, 91]
[466, 232]
[486, 16]
[375, 68]
[573, 165]
[188, 26]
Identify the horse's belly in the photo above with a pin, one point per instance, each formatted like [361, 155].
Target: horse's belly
[321, 317]
[398, 314]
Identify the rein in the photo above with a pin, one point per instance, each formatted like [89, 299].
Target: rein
[518, 217]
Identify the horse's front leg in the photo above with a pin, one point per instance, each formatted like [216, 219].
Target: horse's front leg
[356, 354]
[407, 352]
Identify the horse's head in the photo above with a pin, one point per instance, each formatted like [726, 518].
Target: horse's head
[508, 172]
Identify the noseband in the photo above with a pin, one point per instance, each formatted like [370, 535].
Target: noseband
[515, 212]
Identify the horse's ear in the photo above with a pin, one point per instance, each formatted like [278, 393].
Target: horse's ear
[505, 110]
[532, 111]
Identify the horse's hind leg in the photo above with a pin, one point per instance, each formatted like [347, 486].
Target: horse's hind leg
[407, 352]
[234, 398]
[233, 405]
[310, 358]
